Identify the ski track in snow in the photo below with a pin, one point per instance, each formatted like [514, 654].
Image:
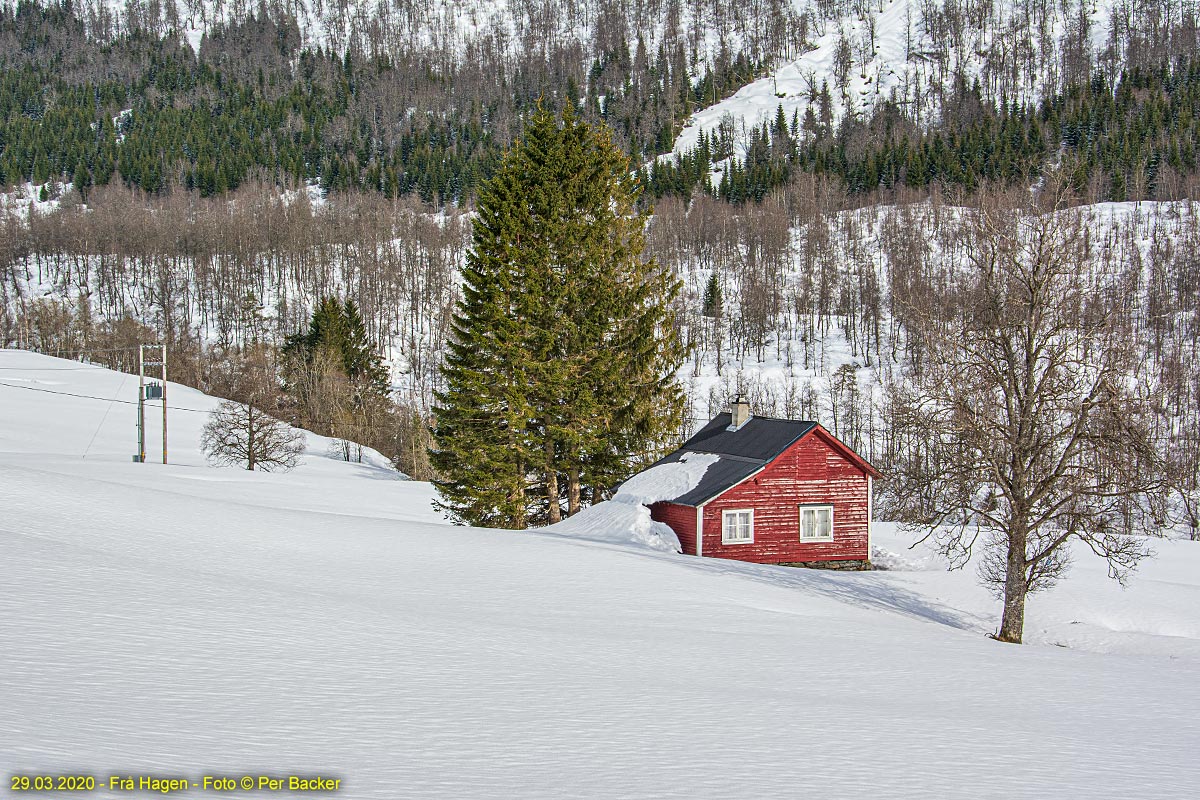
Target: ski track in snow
[188, 620]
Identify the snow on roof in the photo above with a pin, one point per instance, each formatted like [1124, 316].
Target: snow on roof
[736, 454]
[625, 519]
[664, 481]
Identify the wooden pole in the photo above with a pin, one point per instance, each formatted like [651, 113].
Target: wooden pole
[164, 400]
[141, 405]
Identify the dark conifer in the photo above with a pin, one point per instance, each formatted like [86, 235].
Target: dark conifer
[560, 375]
[338, 328]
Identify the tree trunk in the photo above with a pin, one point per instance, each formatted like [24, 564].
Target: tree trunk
[1016, 586]
[250, 443]
[518, 497]
[573, 491]
[553, 510]
[717, 337]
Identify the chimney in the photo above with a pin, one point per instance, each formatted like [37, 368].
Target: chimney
[739, 411]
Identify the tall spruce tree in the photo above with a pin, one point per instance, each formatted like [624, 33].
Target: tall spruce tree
[560, 372]
[337, 379]
[339, 328]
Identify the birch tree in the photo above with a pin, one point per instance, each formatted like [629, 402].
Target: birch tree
[1028, 425]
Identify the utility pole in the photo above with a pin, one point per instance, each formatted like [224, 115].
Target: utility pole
[164, 399]
[141, 417]
[151, 391]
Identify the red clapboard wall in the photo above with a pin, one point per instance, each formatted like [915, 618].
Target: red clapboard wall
[815, 470]
[682, 520]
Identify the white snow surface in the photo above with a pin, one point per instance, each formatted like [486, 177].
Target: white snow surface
[626, 517]
[191, 620]
[666, 481]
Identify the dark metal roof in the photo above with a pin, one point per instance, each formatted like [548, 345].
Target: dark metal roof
[762, 438]
[741, 453]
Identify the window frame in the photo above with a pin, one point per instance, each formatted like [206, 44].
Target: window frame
[816, 508]
[725, 512]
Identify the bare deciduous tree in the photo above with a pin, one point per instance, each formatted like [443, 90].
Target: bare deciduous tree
[1027, 427]
[240, 434]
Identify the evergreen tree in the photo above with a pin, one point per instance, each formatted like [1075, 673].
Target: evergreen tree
[714, 300]
[338, 327]
[336, 377]
[561, 367]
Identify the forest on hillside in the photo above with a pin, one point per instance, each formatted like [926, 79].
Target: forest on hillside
[211, 198]
[148, 112]
[822, 303]
[88, 100]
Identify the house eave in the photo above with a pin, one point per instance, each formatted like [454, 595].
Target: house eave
[705, 501]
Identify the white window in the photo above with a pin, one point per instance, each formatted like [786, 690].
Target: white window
[737, 527]
[816, 523]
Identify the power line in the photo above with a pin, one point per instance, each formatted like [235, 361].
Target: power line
[82, 351]
[180, 408]
[57, 369]
[94, 397]
[107, 409]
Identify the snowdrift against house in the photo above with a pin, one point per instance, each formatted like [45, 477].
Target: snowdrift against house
[625, 519]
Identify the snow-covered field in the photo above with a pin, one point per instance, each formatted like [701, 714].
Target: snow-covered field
[188, 620]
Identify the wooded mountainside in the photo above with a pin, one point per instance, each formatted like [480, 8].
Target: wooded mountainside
[210, 191]
[144, 109]
[149, 112]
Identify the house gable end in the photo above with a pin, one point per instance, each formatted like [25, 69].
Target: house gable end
[845, 451]
[813, 471]
[818, 473]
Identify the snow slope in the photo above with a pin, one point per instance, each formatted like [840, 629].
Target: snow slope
[897, 51]
[794, 84]
[451, 27]
[88, 414]
[188, 620]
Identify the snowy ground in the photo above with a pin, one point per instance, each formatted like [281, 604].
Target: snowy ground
[187, 620]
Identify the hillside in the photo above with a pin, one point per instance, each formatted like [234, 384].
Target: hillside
[404, 98]
[809, 288]
[188, 620]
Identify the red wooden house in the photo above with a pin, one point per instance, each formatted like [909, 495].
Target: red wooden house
[780, 492]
